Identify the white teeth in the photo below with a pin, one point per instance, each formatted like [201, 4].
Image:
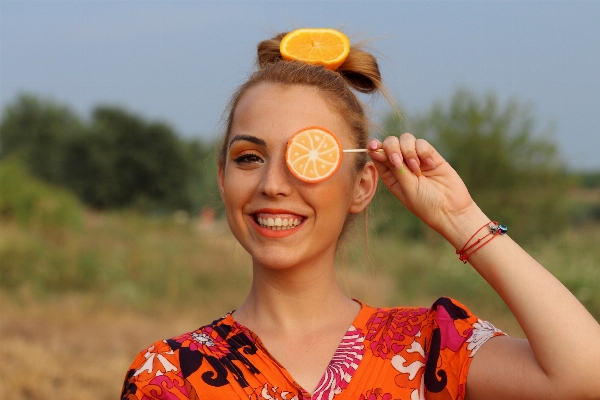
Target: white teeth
[278, 223]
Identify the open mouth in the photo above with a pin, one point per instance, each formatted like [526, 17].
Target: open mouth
[278, 222]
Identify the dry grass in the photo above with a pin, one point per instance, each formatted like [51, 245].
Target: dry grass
[72, 348]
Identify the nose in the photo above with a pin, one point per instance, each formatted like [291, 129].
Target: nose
[276, 179]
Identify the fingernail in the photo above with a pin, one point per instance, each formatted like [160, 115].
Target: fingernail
[397, 161]
[430, 162]
[414, 166]
[373, 144]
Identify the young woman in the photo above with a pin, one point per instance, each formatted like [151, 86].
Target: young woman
[297, 336]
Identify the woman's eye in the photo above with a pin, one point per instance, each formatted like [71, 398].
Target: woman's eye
[248, 158]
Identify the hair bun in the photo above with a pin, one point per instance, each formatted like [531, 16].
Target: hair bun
[268, 51]
[360, 69]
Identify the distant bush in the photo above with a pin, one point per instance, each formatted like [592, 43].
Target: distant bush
[512, 172]
[30, 201]
[117, 160]
[589, 180]
[38, 132]
[123, 161]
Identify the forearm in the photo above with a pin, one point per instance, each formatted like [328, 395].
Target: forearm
[564, 337]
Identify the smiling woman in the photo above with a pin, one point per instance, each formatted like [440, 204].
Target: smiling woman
[297, 336]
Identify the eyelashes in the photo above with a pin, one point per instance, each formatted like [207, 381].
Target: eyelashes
[248, 158]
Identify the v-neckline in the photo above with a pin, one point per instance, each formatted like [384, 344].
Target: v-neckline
[353, 337]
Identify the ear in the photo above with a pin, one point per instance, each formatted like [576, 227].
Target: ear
[220, 178]
[364, 190]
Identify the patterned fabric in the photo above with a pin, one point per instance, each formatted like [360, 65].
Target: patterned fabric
[387, 354]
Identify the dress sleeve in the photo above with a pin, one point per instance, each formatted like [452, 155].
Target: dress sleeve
[456, 336]
[155, 374]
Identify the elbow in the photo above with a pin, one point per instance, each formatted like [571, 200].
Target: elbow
[586, 387]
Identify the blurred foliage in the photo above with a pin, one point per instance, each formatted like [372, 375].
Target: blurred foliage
[32, 202]
[38, 133]
[124, 161]
[584, 207]
[127, 258]
[117, 160]
[588, 180]
[512, 171]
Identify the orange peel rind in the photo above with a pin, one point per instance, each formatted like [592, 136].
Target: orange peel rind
[313, 154]
[317, 46]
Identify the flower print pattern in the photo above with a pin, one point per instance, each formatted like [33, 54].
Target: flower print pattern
[206, 339]
[169, 387]
[390, 331]
[386, 354]
[268, 392]
[157, 363]
[376, 394]
[482, 332]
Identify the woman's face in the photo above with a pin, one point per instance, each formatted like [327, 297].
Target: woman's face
[280, 220]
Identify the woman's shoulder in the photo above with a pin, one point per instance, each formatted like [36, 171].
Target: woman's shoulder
[446, 322]
[437, 341]
[443, 307]
[178, 357]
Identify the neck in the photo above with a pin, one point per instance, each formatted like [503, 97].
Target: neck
[286, 300]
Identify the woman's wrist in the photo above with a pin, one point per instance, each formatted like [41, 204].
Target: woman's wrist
[460, 227]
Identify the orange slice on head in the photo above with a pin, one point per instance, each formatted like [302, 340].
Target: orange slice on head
[318, 46]
[313, 154]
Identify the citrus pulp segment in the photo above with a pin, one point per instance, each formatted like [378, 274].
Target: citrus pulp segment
[313, 154]
[318, 46]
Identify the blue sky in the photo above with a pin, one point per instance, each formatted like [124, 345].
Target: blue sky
[179, 61]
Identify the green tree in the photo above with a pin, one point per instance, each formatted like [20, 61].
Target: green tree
[512, 171]
[117, 160]
[38, 132]
[124, 160]
[202, 185]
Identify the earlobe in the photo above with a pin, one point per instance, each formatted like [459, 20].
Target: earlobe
[365, 189]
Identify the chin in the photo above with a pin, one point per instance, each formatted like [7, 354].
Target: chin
[275, 261]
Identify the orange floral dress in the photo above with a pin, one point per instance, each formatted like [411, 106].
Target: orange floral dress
[386, 354]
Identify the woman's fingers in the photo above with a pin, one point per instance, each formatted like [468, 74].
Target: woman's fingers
[408, 145]
[427, 154]
[391, 146]
[418, 154]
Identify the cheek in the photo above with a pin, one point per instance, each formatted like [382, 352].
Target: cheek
[335, 198]
[235, 191]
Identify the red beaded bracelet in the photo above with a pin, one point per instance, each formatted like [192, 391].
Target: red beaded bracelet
[495, 230]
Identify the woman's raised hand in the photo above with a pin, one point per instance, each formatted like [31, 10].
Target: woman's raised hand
[421, 179]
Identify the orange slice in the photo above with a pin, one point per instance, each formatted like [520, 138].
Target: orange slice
[313, 154]
[318, 46]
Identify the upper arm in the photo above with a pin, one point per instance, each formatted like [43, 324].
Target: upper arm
[506, 368]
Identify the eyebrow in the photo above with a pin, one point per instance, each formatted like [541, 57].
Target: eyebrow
[252, 139]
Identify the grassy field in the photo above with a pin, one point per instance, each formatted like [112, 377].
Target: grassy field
[77, 304]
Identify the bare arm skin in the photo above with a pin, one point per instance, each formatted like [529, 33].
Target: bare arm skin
[560, 359]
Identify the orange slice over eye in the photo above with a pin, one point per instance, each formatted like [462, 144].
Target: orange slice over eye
[313, 154]
[318, 46]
